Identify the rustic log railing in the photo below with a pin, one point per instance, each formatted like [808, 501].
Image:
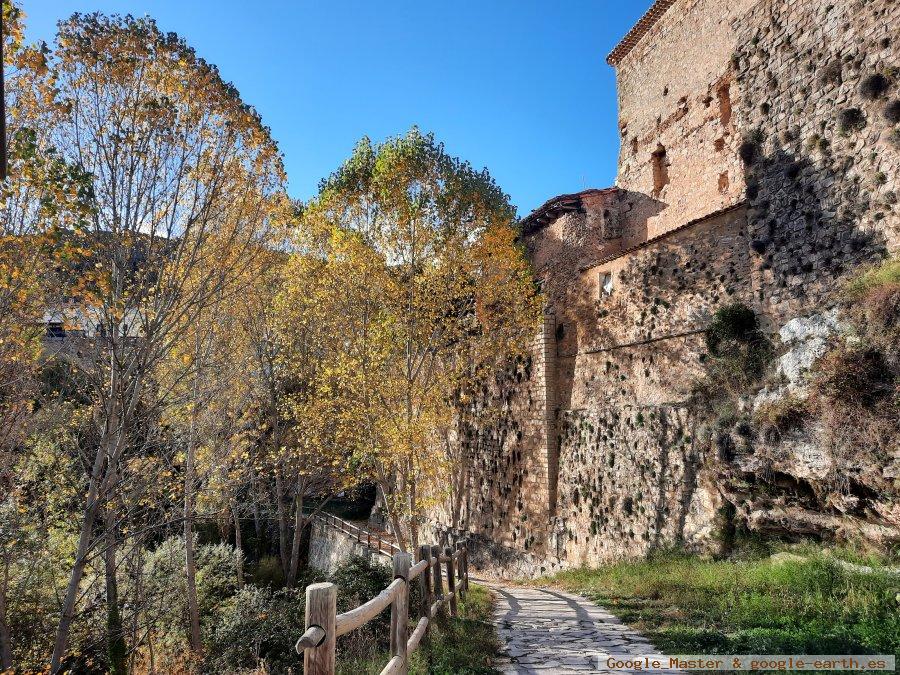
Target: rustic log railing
[324, 625]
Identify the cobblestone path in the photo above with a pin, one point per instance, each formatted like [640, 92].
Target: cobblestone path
[547, 631]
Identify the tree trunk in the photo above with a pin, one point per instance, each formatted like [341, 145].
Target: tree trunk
[190, 564]
[413, 513]
[282, 521]
[6, 655]
[138, 598]
[392, 514]
[295, 544]
[239, 545]
[89, 515]
[257, 520]
[115, 636]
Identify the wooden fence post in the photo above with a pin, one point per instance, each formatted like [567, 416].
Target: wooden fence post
[400, 610]
[436, 584]
[425, 584]
[466, 564]
[451, 580]
[460, 570]
[321, 609]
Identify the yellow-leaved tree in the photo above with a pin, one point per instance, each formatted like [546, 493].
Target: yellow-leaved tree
[434, 292]
[42, 206]
[185, 183]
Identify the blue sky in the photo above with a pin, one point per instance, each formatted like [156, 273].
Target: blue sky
[518, 86]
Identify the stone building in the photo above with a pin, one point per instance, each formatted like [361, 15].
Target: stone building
[759, 163]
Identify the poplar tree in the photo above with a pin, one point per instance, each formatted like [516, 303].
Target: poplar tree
[438, 273]
[183, 182]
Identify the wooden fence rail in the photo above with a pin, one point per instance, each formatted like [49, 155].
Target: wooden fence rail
[375, 541]
[324, 625]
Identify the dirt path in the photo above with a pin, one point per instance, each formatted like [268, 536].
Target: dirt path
[543, 630]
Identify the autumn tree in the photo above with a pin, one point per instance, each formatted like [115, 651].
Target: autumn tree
[313, 431]
[445, 282]
[184, 183]
[41, 209]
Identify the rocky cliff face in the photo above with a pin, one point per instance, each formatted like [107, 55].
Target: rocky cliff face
[816, 452]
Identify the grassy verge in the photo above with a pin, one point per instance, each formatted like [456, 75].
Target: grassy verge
[464, 644]
[687, 605]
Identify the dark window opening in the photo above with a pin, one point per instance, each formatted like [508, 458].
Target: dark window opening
[724, 93]
[55, 329]
[660, 169]
[560, 331]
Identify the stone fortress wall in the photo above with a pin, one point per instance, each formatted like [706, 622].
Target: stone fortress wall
[742, 177]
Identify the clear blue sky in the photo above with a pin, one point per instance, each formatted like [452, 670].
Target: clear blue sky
[518, 86]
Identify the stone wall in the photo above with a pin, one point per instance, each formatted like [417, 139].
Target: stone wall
[328, 548]
[822, 155]
[779, 179]
[676, 123]
[511, 458]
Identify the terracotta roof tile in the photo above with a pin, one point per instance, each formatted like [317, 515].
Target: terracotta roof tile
[646, 22]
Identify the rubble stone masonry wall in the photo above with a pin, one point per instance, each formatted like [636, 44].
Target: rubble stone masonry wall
[824, 173]
[676, 122]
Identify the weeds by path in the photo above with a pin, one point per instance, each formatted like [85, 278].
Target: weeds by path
[764, 606]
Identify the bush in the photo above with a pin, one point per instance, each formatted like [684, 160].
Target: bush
[857, 376]
[359, 580]
[268, 572]
[258, 624]
[874, 86]
[891, 111]
[739, 349]
[850, 119]
[166, 587]
[781, 416]
[747, 151]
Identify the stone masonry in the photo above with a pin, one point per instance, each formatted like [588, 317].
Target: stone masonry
[759, 160]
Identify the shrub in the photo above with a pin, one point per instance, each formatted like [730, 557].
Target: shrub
[359, 580]
[874, 86]
[736, 322]
[268, 572]
[857, 376]
[165, 586]
[783, 415]
[891, 111]
[747, 151]
[850, 120]
[258, 624]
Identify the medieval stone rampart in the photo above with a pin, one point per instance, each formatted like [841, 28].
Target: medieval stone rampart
[759, 160]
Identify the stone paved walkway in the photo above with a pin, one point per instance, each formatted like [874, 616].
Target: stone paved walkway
[547, 631]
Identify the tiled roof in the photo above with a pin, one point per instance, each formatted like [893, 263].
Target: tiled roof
[554, 208]
[634, 36]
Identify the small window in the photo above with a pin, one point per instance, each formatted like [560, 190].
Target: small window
[55, 329]
[560, 331]
[660, 169]
[606, 283]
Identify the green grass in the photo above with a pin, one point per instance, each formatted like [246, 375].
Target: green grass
[687, 605]
[463, 644]
[884, 274]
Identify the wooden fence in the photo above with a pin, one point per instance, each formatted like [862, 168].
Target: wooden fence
[324, 625]
[373, 540]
